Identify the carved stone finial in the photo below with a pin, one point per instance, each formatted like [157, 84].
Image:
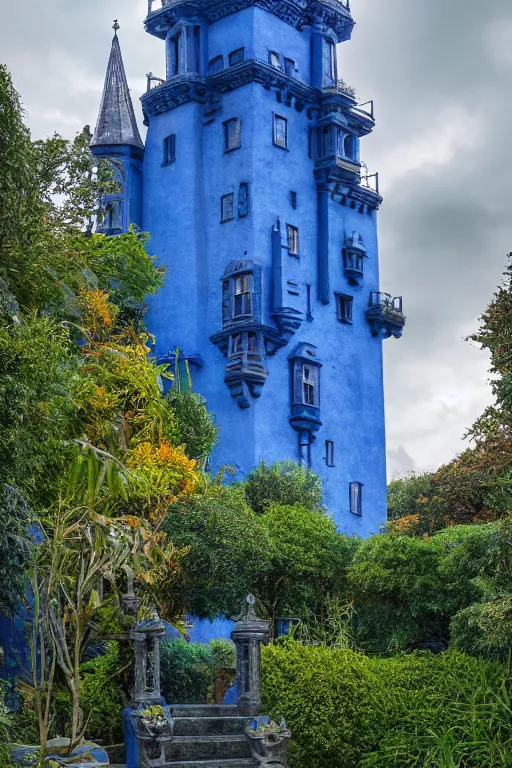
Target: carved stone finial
[250, 610]
[116, 26]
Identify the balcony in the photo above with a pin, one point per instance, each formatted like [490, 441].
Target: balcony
[385, 315]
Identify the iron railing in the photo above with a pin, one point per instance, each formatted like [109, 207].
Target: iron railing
[386, 301]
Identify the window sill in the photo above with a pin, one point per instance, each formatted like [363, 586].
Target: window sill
[345, 322]
[285, 149]
[232, 149]
[166, 165]
[226, 221]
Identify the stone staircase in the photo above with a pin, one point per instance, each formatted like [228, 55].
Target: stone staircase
[208, 736]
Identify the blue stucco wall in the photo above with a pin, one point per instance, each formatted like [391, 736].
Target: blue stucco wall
[182, 214]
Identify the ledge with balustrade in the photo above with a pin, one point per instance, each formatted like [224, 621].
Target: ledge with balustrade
[163, 14]
[385, 315]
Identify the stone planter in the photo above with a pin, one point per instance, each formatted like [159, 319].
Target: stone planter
[268, 741]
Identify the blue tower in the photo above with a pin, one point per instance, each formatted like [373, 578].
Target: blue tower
[261, 210]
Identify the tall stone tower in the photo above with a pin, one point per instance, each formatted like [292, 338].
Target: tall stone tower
[258, 204]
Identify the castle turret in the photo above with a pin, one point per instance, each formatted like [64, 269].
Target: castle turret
[117, 138]
[260, 208]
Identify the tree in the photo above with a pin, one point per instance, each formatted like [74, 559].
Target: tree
[285, 483]
[309, 560]
[228, 550]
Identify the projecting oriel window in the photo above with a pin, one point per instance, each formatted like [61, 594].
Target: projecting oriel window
[232, 134]
[169, 149]
[236, 57]
[226, 208]
[356, 498]
[344, 307]
[281, 132]
[329, 453]
[293, 240]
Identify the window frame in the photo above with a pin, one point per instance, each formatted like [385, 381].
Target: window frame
[298, 397]
[292, 237]
[346, 316]
[231, 55]
[290, 71]
[275, 119]
[293, 199]
[226, 125]
[224, 219]
[356, 501]
[278, 58]
[246, 296]
[169, 150]
[329, 453]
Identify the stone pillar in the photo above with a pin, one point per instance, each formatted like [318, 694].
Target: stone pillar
[147, 639]
[248, 635]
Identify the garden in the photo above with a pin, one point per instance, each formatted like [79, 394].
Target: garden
[398, 649]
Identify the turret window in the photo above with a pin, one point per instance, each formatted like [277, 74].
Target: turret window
[344, 307]
[356, 498]
[232, 134]
[293, 240]
[281, 132]
[238, 297]
[227, 208]
[169, 149]
[306, 384]
[329, 453]
[274, 59]
[215, 65]
[236, 57]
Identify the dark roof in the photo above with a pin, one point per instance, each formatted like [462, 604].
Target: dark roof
[116, 121]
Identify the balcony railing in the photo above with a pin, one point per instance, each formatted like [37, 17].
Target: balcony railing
[391, 304]
[153, 81]
[369, 180]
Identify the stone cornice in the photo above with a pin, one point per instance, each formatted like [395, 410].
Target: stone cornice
[289, 91]
[297, 13]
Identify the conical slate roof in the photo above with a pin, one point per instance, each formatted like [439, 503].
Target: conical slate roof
[116, 121]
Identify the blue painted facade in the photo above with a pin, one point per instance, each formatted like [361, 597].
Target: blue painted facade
[257, 204]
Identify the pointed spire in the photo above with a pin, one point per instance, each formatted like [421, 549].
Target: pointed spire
[116, 121]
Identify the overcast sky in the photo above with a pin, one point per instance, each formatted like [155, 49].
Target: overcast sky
[440, 72]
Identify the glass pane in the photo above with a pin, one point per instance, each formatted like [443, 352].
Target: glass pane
[280, 131]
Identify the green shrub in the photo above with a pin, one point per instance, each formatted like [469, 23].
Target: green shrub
[7, 732]
[195, 426]
[188, 669]
[347, 710]
[283, 483]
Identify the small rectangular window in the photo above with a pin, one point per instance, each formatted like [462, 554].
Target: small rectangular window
[169, 149]
[232, 134]
[281, 132]
[306, 389]
[293, 240]
[329, 453]
[344, 307]
[274, 59]
[290, 67]
[236, 57]
[216, 65]
[293, 199]
[226, 208]
[356, 498]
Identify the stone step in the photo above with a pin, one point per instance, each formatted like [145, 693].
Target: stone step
[209, 726]
[204, 710]
[242, 763]
[192, 748]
